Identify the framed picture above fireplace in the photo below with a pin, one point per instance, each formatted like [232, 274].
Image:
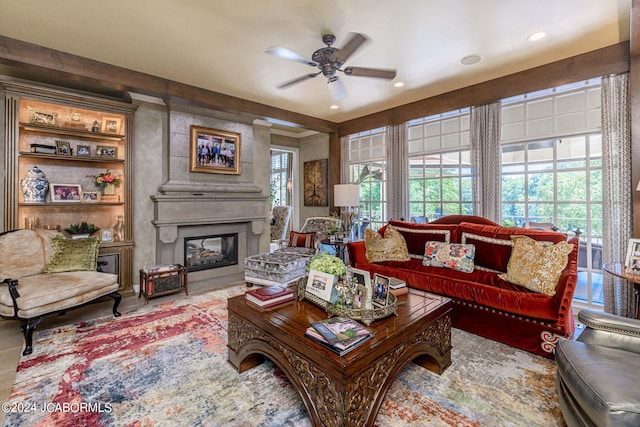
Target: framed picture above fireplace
[214, 151]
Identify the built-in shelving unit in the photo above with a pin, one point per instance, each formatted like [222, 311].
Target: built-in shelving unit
[81, 136]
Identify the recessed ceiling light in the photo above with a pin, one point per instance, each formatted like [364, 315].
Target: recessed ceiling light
[470, 60]
[537, 36]
[398, 84]
[334, 107]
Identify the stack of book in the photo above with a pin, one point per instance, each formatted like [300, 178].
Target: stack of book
[397, 287]
[339, 334]
[270, 296]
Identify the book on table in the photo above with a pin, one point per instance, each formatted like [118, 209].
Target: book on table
[340, 334]
[395, 283]
[269, 296]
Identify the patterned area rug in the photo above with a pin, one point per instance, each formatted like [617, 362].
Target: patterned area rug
[166, 365]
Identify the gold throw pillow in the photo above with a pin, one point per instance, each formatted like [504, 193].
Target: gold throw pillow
[73, 255]
[391, 247]
[535, 265]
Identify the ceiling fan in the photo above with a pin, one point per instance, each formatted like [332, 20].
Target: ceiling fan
[329, 60]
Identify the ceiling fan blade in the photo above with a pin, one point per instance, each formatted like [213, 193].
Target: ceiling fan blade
[350, 47]
[377, 73]
[284, 53]
[338, 91]
[297, 80]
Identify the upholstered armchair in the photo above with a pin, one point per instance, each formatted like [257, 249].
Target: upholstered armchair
[279, 222]
[598, 377]
[44, 273]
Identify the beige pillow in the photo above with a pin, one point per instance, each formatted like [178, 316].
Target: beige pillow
[391, 247]
[536, 265]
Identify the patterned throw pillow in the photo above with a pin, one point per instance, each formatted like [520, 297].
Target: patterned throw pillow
[449, 255]
[73, 255]
[535, 265]
[391, 247]
[301, 240]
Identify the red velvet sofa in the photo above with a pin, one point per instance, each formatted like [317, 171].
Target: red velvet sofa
[484, 304]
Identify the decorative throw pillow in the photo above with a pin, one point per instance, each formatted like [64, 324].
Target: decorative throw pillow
[449, 255]
[302, 240]
[535, 265]
[391, 247]
[73, 255]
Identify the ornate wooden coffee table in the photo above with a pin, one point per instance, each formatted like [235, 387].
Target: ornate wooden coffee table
[345, 390]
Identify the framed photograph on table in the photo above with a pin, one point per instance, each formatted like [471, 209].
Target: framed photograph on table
[320, 285]
[363, 278]
[632, 263]
[380, 290]
[214, 151]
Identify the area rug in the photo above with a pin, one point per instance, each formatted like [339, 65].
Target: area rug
[166, 365]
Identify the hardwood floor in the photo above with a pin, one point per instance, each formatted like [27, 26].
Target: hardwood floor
[12, 342]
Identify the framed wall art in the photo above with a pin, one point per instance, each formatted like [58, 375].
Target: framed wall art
[315, 183]
[214, 151]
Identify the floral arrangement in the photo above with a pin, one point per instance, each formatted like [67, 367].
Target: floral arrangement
[108, 177]
[327, 264]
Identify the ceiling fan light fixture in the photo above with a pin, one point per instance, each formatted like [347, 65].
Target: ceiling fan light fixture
[334, 107]
[470, 60]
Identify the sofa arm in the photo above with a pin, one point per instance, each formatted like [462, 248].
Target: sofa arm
[610, 330]
[357, 253]
[13, 292]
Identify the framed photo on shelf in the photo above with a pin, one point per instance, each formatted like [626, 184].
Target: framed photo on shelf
[380, 290]
[360, 298]
[83, 151]
[108, 151]
[41, 117]
[90, 196]
[111, 125]
[632, 263]
[214, 151]
[65, 192]
[63, 148]
[320, 284]
[106, 235]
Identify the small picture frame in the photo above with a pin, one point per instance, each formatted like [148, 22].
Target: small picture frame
[63, 148]
[632, 263]
[90, 196]
[108, 151]
[380, 290]
[42, 117]
[111, 125]
[83, 151]
[360, 298]
[320, 284]
[65, 193]
[363, 277]
[106, 235]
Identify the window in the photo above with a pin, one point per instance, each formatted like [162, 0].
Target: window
[367, 167]
[552, 171]
[440, 181]
[280, 193]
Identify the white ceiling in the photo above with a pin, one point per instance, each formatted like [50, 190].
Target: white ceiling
[219, 44]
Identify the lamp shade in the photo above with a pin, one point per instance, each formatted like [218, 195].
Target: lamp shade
[346, 195]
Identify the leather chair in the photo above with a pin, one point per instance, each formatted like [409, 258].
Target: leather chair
[598, 377]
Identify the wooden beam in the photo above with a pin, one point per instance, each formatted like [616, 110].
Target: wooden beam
[609, 60]
[54, 64]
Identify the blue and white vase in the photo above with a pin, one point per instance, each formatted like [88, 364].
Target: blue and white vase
[34, 186]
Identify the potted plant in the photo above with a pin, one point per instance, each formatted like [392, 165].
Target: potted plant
[107, 181]
[82, 230]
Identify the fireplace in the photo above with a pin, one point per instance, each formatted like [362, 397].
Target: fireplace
[213, 251]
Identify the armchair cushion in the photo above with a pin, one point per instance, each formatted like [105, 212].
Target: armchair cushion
[72, 255]
[21, 256]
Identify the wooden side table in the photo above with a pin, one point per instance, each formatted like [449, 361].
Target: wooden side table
[618, 269]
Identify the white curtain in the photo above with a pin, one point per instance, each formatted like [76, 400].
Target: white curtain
[397, 172]
[485, 160]
[619, 295]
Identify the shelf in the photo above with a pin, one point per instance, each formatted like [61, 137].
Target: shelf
[31, 127]
[70, 158]
[70, 204]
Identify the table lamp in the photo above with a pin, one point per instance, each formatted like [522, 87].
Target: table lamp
[347, 197]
